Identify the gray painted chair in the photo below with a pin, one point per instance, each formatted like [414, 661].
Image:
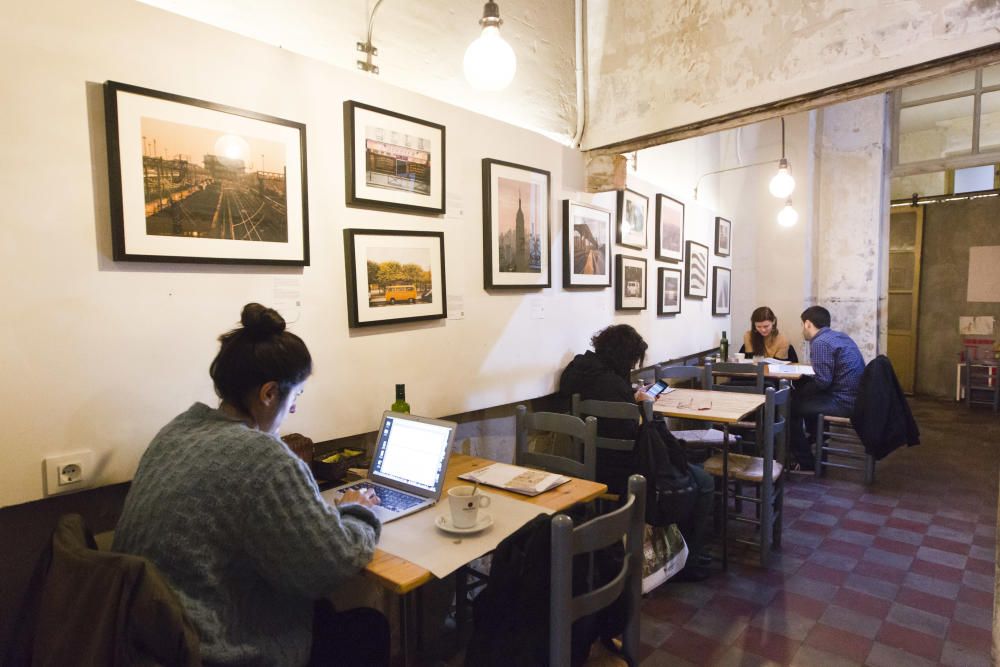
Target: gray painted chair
[838, 445]
[689, 373]
[582, 434]
[564, 608]
[744, 378]
[613, 410]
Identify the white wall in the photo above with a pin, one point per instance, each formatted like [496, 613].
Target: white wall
[99, 355]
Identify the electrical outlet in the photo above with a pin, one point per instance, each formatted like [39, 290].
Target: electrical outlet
[68, 472]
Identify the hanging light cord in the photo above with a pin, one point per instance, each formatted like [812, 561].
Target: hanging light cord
[371, 26]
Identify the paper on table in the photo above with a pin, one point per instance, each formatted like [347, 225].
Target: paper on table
[792, 369]
[515, 478]
[416, 539]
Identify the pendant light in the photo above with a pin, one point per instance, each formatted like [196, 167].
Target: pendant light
[782, 185]
[788, 216]
[489, 62]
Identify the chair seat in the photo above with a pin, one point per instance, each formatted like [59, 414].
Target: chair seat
[843, 421]
[743, 467]
[704, 436]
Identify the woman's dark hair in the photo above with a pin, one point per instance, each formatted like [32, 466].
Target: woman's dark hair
[620, 347]
[818, 315]
[258, 352]
[762, 314]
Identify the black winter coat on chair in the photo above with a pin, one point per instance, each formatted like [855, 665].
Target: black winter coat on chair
[882, 416]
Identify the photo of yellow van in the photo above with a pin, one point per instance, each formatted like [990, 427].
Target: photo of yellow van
[401, 294]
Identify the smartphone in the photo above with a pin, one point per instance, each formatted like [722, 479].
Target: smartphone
[657, 388]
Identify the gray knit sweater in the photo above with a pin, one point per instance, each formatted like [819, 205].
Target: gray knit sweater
[236, 524]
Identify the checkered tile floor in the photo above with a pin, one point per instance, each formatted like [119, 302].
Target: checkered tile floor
[900, 573]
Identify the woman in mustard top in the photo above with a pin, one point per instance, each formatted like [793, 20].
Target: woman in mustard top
[764, 339]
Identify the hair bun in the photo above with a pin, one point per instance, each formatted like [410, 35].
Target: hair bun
[259, 320]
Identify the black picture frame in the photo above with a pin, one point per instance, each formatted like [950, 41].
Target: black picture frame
[417, 298]
[229, 209]
[630, 291]
[722, 291]
[695, 270]
[669, 291]
[586, 245]
[669, 229]
[507, 265]
[389, 142]
[723, 237]
[633, 208]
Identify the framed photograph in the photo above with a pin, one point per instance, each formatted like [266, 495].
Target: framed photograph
[392, 161]
[723, 237]
[669, 229]
[586, 235]
[722, 290]
[630, 283]
[696, 268]
[196, 181]
[633, 211]
[394, 276]
[515, 226]
[668, 285]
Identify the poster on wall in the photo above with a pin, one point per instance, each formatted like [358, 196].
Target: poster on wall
[515, 225]
[392, 161]
[723, 237]
[669, 292]
[630, 283]
[196, 181]
[394, 276]
[722, 288]
[633, 211]
[696, 268]
[586, 235]
[669, 229]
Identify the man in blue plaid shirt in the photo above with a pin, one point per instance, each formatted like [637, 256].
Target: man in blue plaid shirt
[838, 365]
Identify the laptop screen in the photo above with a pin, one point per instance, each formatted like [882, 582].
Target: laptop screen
[412, 451]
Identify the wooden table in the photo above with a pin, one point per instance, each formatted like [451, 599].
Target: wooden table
[722, 407]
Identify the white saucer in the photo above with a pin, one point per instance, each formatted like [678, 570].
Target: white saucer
[443, 521]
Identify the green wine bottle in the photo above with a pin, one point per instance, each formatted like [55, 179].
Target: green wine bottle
[723, 349]
[401, 405]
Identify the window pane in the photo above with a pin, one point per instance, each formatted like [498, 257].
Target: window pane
[903, 187]
[954, 83]
[901, 272]
[900, 312]
[974, 179]
[989, 122]
[935, 130]
[903, 231]
[991, 76]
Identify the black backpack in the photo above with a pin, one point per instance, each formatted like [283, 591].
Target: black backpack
[671, 492]
[511, 614]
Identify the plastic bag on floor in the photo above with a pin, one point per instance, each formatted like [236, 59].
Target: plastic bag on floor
[664, 554]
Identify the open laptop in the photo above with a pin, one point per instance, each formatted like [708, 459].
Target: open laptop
[408, 465]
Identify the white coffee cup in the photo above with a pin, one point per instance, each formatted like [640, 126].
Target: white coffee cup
[465, 506]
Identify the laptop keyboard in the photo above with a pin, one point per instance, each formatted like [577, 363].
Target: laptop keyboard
[390, 498]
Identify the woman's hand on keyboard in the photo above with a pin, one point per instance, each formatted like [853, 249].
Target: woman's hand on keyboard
[364, 497]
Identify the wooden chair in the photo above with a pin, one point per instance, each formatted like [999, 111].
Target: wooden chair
[613, 410]
[839, 446]
[625, 523]
[981, 384]
[745, 378]
[763, 473]
[694, 374]
[582, 434]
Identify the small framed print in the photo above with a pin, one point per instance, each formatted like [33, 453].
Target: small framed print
[668, 292]
[722, 290]
[630, 283]
[669, 229]
[723, 237]
[392, 161]
[515, 226]
[633, 211]
[696, 268]
[394, 276]
[586, 235]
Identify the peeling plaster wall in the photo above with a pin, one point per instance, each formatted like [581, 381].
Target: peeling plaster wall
[420, 47]
[655, 66]
[851, 215]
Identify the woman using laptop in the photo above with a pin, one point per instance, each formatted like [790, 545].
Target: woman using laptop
[235, 522]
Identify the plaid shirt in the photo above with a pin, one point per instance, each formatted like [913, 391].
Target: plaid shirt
[838, 365]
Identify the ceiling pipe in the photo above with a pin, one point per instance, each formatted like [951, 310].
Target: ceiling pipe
[581, 79]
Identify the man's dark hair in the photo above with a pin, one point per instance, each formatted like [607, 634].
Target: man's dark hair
[620, 347]
[818, 315]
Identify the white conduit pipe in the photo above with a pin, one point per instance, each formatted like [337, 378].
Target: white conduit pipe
[581, 97]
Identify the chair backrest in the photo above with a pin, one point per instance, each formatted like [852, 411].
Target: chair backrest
[583, 434]
[645, 375]
[696, 373]
[564, 608]
[613, 410]
[745, 378]
[777, 404]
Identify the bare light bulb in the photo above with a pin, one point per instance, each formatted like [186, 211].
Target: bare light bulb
[782, 184]
[489, 62]
[788, 216]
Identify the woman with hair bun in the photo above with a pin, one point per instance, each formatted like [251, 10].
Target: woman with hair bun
[236, 524]
[764, 340]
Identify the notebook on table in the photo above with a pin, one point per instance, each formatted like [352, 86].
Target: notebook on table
[408, 466]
